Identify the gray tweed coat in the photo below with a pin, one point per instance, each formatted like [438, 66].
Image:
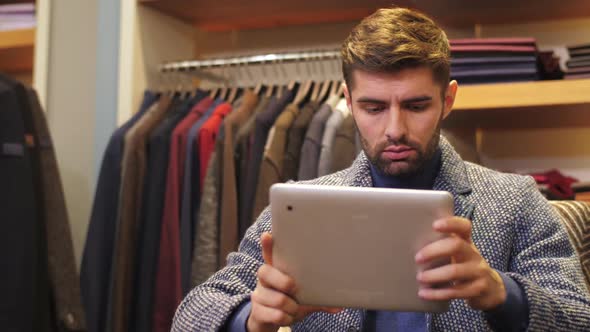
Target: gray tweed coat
[514, 227]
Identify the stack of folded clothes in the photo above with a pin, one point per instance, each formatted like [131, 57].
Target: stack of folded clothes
[494, 60]
[578, 66]
[17, 16]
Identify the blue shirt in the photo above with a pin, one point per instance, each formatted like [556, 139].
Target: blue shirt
[512, 315]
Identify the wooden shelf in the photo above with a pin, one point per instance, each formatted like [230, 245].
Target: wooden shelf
[540, 104]
[16, 50]
[224, 15]
[526, 94]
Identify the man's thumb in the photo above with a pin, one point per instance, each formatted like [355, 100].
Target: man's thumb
[266, 243]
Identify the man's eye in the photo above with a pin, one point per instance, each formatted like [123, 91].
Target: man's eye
[374, 110]
[417, 107]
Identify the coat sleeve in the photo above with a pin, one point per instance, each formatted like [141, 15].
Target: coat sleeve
[208, 306]
[546, 266]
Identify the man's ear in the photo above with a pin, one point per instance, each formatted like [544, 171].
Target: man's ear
[450, 95]
[347, 96]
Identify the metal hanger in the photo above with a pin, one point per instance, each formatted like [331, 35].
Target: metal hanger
[260, 88]
[304, 87]
[317, 86]
[270, 92]
[233, 91]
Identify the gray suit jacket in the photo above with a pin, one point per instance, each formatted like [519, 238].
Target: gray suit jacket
[206, 248]
[344, 149]
[312, 144]
[326, 154]
[514, 227]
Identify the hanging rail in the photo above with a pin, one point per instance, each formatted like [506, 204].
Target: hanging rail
[250, 60]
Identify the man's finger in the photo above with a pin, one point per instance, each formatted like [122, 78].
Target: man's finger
[454, 225]
[445, 248]
[272, 316]
[274, 299]
[266, 243]
[465, 290]
[449, 273]
[272, 278]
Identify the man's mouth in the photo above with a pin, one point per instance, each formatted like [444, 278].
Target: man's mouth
[398, 152]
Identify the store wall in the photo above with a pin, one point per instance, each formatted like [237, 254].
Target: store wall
[76, 74]
[71, 92]
[147, 39]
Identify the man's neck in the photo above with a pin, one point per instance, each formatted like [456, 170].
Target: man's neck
[422, 180]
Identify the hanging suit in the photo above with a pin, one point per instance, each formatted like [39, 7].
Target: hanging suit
[152, 210]
[191, 196]
[312, 144]
[264, 121]
[229, 230]
[244, 140]
[95, 271]
[206, 259]
[271, 169]
[295, 140]
[334, 122]
[169, 292]
[65, 284]
[23, 286]
[133, 172]
[206, 249]
[344, 149]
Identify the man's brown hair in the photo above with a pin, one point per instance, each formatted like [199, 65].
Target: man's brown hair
[393, 39]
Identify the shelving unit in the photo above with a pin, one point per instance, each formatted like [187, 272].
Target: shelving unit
[524, 116]
[16, 50]
[224, 15]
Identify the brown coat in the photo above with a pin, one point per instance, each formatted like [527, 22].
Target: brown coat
[229, 239]
[133, 170]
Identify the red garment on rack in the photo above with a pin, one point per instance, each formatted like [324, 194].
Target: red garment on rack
[207, 137]
[168, 292]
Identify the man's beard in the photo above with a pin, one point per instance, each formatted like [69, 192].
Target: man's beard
[403, 168]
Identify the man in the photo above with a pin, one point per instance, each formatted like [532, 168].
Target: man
[513, 267]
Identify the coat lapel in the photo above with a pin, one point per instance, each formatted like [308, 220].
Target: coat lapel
[453, 178]
[359, 174]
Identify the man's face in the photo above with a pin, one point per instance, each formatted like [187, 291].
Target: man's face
[399, 116]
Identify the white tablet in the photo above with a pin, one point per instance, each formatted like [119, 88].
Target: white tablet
[354, 247]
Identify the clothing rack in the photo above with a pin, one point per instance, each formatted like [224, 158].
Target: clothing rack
[260, 59]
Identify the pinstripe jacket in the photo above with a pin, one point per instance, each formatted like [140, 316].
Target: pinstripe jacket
[514, 227]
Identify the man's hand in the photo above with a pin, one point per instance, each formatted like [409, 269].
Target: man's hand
[468, 275]
[273, 303]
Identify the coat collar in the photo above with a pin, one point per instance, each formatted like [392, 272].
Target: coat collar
[452, 177]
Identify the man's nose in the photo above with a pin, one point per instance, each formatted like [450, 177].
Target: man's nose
[396, 124]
